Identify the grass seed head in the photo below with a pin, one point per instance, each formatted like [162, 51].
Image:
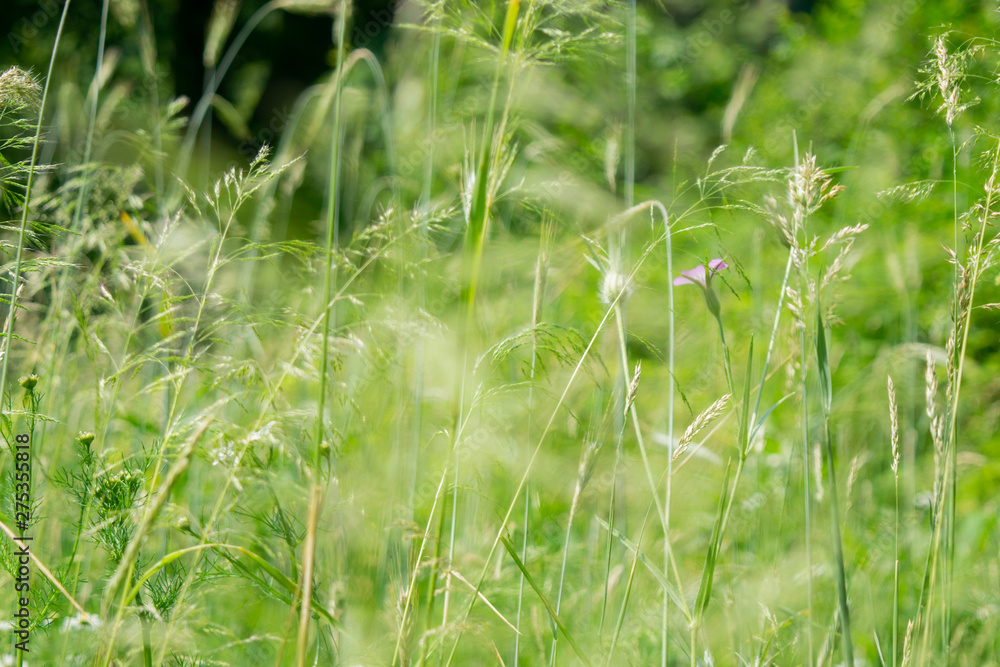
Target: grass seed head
[19, 90]
[710, 413]
[894, 423]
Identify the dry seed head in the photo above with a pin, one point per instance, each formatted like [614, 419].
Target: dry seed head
[809, 187]
[894, 423]
[794, 304]
[845, 235]
[951, 366]
[906, 644]
[948, 75]
[588, 462]
[713, 411]
[832, 273]
[19, 89]
[852, 477]
[930, 397]
[780, 222]
[613, 283]
[633, 388]
[614, 279]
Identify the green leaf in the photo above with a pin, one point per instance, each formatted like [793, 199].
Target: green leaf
[823, 361]
[763, 417]
[708, 574]
[745, 410]
[510, 23]
[278, 576]
[837, 170]
[659, 576]
[548, 607]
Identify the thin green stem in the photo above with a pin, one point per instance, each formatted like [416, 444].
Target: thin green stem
[541, 269]
[667, 555]
[534, 455]
[838, 552]
[22, 229]
[962, 326]
[952, 481]
[331, 240]
[895, 578]
[205, 102]
[806, 491]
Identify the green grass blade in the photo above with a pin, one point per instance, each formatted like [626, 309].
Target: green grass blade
[657, 574]
[763, 418]
[708, 573]
[509, 24]
[744, 408]
[628, 589]
[823, 362]
[541, 596]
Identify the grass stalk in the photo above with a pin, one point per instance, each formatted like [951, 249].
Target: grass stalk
[541, 440]
[952, 452]
[22, 229]
[474, 247]
[309, 552]
[55, 311]
[204, 104]
[538, 300]
[894, 426]
[628, 588]
[332, 238]
[23, 226]
[267, 405]
[667, 555]
[806, 490]
[826, 392]
[965, 298]
[329, 281]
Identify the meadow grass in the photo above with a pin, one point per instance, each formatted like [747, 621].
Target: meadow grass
[478, 405]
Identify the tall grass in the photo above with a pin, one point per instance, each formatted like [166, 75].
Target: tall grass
[356, 404]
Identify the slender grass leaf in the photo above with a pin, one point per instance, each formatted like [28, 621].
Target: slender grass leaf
[659, 576]
[830, 171]
[707, 575]
[628, 592]
[745, 405]
[509, 24]
[541, 596]
[763, 417]
[823, 362]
